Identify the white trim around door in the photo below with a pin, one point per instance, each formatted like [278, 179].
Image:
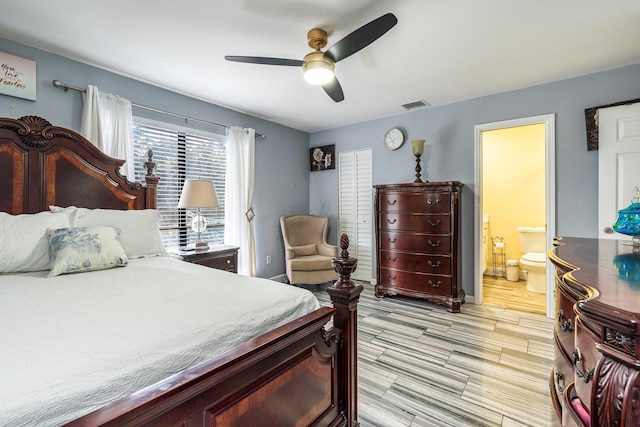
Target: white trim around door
[550, 162]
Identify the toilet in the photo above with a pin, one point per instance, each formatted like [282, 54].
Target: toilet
[533, 244]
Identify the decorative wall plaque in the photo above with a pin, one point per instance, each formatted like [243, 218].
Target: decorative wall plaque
[17, 76]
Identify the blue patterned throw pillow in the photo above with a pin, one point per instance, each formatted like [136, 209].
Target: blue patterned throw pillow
[80, 249]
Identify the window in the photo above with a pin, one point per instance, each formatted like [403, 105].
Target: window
[179, 155]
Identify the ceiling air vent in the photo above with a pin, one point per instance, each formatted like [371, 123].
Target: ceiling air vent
[416, 104]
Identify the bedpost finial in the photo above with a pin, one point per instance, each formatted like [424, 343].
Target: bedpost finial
[344, 265]
[150, 165]
[344, 245]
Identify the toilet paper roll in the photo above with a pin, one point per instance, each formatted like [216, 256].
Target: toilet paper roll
[499, 245]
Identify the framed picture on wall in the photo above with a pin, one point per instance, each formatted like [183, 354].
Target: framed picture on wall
[322, 158]
[17, 76]
[591, 122]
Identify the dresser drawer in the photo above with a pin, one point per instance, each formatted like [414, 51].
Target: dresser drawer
[423, 243]
[585, 355]
[423, 263]
[565, 318]
[562, 369]
[220, 257]
[425, 223]
[227, 263]
[573, 410]
[421, 282]
[415, 202]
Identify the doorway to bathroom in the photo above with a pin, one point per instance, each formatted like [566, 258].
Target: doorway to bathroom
[514, 213]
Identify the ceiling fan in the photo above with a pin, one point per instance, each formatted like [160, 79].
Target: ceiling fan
[318, 67]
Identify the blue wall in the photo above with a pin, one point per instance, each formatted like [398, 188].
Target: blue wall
[283, 183]
[282, 171]
[449, 152]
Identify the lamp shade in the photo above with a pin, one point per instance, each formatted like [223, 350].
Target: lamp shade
[198, 193]
[317, 69]
[418, 147]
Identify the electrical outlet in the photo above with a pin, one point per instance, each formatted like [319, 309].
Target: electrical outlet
[268, 259]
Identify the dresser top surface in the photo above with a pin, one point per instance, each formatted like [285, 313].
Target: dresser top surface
[611, 267]
[422, 185]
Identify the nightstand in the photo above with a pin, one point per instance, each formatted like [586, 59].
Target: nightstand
[222, 257]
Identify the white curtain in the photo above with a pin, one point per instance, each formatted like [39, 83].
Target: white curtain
[238, 212]
[107, 121]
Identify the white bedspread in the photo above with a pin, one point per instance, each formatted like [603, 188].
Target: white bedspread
[70, 344]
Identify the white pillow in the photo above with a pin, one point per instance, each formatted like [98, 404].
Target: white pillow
[139, 233]
[23, 240]
[80, 249]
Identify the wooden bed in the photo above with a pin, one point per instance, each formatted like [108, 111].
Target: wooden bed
[298, 374]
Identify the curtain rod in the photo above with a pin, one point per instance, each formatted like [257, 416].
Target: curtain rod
[66, 87]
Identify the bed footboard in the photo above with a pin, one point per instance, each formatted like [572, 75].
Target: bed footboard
[299, 374]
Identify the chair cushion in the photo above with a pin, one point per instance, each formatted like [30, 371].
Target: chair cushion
[310, 263]
[305, 250]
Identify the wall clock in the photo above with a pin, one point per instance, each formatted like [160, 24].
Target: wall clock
[393, 139]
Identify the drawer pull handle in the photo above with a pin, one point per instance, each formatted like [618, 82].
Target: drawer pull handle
[434, 264]
[391, 259]
[585, 375]
[390, 221]
[391, 202]
[228, 261]
[431, 202]
[435, 285]
[559, 377]
[434, 223]
[392, 277]
[391, 240]
[564, 325]
[434, 244]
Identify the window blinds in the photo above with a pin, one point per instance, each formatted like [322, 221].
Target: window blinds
[181, 155]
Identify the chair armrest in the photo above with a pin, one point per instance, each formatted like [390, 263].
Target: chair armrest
[290, 253]
[327, 250]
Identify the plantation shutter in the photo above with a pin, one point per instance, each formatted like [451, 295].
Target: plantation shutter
[355, 207]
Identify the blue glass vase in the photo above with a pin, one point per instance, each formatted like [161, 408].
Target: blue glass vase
[628, 221]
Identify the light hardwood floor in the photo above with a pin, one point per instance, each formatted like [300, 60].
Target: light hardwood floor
[420, 365]
[514, 295]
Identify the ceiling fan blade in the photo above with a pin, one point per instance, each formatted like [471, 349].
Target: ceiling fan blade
[266, 61]
[362, 37]
[334, 90]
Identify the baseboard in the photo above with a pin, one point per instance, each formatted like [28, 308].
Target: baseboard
[522, 274]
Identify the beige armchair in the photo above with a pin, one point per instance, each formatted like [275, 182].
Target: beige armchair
[308, 255]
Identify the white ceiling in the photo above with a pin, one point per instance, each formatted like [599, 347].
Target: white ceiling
[441, 51]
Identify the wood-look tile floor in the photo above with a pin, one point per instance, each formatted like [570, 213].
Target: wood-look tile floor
[514, 295]
[419, 365]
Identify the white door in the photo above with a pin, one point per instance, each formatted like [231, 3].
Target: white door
[355, 208]
[618, 160]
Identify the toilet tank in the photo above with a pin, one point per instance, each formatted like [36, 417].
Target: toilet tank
[533, 239]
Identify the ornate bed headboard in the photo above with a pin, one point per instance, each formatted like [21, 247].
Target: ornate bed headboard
[43, 165]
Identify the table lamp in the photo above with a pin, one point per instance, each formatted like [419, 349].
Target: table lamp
[198, 193]
[418, 148]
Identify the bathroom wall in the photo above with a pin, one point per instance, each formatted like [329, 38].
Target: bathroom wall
[513, 187]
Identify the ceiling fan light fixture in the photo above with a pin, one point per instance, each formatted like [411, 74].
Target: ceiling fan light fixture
[317, 69]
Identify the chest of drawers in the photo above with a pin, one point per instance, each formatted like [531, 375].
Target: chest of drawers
[418, 240]
[596, 375]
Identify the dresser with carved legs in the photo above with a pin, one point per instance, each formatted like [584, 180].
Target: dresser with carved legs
[418, 242]
[596, 376]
